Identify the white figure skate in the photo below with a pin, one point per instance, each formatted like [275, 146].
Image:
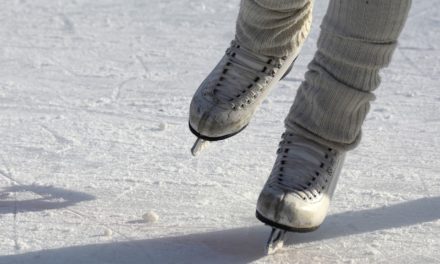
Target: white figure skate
[227, 99]
[297, 194]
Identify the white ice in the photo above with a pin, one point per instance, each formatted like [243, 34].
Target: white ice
[94, 99]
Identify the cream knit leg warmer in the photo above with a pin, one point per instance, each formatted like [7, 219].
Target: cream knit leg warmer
[274, 27]
[357, 39]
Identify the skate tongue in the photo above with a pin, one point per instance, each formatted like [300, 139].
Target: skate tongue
[249, 63]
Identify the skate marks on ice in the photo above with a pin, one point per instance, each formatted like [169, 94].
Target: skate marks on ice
[34, 198]
[240, 245]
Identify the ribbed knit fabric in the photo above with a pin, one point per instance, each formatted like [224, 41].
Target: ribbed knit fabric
[357, 39]
[274, 27]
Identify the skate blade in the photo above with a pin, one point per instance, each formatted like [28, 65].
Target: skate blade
[199, 146]
[275, 241]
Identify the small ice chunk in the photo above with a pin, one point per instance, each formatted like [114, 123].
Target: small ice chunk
[49, 214]
[108, 232]
[150, 217]
[163, 126]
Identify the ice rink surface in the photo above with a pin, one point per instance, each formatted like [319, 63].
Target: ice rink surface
[94, 99]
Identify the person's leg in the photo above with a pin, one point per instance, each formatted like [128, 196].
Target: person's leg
[357, 39]
[268, 38]
[274, 27]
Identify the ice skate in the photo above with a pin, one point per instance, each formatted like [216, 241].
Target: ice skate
[227, 99]
[297, 194]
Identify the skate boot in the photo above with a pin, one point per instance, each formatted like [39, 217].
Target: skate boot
[226, 100]
[297, 194]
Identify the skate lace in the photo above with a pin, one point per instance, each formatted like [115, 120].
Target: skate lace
[244, 76]
[303, 167]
